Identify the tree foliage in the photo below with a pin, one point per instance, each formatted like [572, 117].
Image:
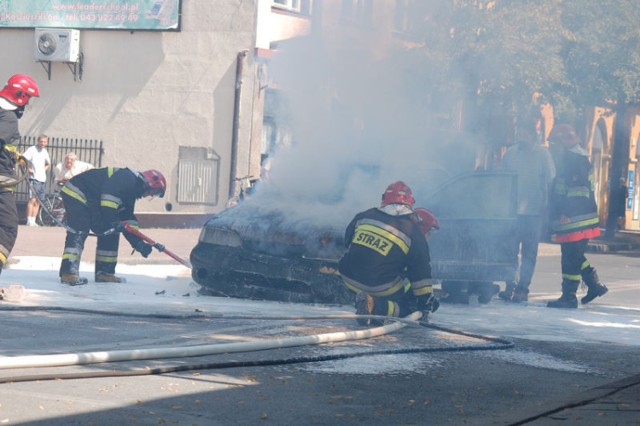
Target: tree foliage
[575, 53]
[601, 50]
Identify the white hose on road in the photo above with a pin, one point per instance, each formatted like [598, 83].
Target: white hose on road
[83, 358]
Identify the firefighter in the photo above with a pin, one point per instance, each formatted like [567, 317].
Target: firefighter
[387, 262]
[574, 216]
[15, 95]
[99, 200]
[426, 220]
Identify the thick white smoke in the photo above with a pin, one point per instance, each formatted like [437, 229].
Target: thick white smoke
[358, 123]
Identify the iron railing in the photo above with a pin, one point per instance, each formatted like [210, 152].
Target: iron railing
[87, 150]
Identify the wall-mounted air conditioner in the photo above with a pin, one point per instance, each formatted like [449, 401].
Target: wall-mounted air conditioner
[57, 45]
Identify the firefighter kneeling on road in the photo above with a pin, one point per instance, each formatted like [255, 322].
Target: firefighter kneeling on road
[388, 263]
[99, 200]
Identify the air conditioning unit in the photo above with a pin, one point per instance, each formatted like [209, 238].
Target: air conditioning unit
[57, 45]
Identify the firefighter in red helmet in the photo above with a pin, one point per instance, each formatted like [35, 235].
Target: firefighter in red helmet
[426, 221]
[387, 262]
[574, 216]
[14, 96]
[99, 200]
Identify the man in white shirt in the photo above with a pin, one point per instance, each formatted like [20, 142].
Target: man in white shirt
[535, 169]
[70, 167]
[39, 163]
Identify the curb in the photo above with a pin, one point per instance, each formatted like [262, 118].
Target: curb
[582, 399]
[611, 247]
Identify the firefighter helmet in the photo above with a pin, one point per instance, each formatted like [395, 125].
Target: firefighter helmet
[17, 92]
[565, 134]
[398, 193]
[157, 184]
[427, 220]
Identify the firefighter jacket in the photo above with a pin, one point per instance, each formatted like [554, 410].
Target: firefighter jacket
[9, 135]
[573, 214]
[111, 191]
[385, 251]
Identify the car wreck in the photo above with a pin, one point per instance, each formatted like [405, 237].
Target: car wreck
[253, 252]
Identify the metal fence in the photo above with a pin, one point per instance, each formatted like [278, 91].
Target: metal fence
[87, 150]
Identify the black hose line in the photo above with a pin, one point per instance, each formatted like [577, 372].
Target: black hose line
[112, 313]
[499, 343]
[243, 364]
[24, 173]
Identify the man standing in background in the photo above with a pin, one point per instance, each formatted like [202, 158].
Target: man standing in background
[535, 169]
[39, 163]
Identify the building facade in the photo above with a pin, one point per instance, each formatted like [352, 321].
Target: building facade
[184, 101]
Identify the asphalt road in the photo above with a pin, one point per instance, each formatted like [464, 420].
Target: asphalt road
[447, 379]
[454, 386]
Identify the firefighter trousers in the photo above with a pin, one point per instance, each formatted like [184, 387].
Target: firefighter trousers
[399, 304]
[574, 264]
[81, 219]
[8, 225]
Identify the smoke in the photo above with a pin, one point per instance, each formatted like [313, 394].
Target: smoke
[358, 124]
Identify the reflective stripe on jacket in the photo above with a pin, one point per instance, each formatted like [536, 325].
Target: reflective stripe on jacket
[574, 213]
[385, 250]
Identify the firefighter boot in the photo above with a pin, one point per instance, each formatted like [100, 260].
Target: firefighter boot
[594, 286]
[70, 265]
[520, 294]
[73, 279]
[364, 306]
[568, 298]
[105, 277]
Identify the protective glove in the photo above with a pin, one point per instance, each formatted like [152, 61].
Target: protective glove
[143, 248]
[115, 229]
[428, 303]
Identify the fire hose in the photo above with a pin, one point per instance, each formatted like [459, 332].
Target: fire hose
[22, 168]
[202, 350]
[193, 351]
[160, 247]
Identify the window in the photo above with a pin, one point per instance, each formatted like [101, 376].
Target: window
[293, 5]
[358, 10]
[401, 15]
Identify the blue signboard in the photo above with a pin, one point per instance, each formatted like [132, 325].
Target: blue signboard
[159, 15]
[630, 188]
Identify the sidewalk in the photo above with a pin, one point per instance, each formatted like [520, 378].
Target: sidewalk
[49, 242]
[623, 241]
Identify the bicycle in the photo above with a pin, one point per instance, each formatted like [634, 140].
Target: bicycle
[52, 212]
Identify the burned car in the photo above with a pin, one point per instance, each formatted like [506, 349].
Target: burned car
[250, 252]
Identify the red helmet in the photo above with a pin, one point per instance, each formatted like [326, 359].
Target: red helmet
[427, 220]
[157, 183]
[398, 193]
[18, 90]
[565, 134]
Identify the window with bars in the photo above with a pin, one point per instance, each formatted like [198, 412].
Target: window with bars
[198, 176]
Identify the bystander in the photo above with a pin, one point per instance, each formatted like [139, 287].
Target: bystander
[39, 163]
